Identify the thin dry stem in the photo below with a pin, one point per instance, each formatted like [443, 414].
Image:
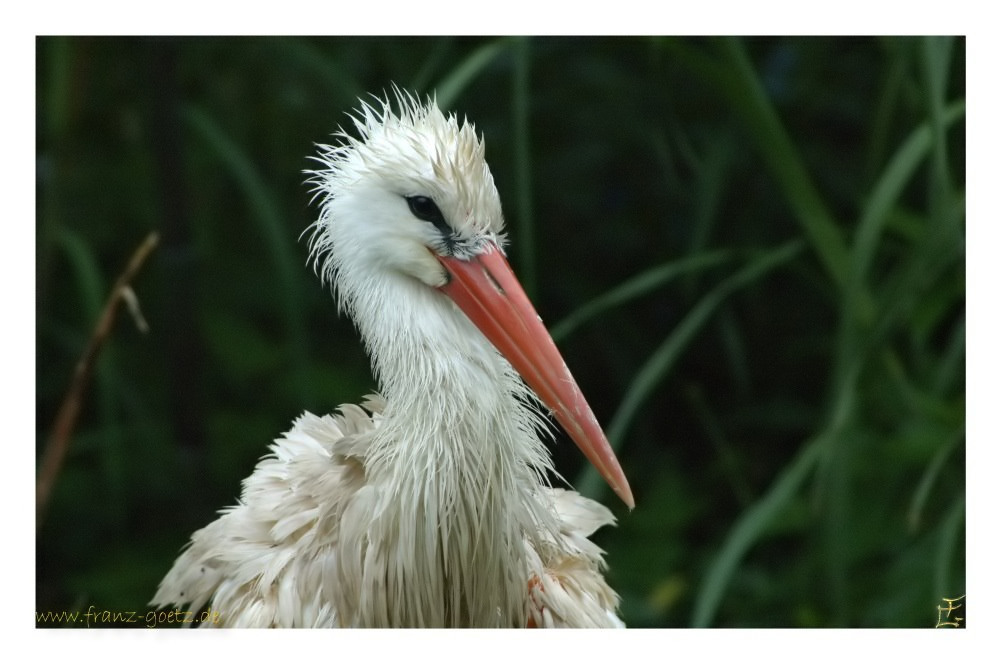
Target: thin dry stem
[65, 421]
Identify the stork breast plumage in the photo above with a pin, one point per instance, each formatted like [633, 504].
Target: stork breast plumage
[431, 505]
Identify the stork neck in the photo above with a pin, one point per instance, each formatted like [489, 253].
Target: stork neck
[458, 450]
[429, 359]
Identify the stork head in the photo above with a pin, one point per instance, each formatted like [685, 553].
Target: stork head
[411, 196]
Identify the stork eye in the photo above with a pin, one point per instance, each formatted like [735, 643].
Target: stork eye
[426, 209]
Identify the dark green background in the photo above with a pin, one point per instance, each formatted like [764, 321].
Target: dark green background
[781, 362]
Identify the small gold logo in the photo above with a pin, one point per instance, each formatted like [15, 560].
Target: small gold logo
[951, 615]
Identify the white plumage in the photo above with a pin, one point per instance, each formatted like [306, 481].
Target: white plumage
[429, 507]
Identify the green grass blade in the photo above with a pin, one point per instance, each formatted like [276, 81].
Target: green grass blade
[266, 215]
[950, 534]
[936, 67]
[85, 271]
[889, 187]
[753, 523]
[304, 56]
[741, 85]
[728, 458]
[451, 87]
[750, 528]
[732, 75]
[526, 254]
[52, 135]
[863, 326]
[897, 66]
[636, 286]
[952, 361]
[662, 360]
[430, 65]
[929, 479]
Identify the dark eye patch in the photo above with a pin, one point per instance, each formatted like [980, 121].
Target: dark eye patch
[426, 209]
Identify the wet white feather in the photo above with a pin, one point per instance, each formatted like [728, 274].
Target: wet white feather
[431, 508]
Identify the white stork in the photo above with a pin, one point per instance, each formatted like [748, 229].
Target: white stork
[431, 506]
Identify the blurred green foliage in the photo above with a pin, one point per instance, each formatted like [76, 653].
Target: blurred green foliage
[750, 250]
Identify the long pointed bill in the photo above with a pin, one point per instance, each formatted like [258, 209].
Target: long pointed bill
[485, 288]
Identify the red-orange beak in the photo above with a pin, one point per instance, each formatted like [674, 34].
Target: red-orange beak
[485, 288]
